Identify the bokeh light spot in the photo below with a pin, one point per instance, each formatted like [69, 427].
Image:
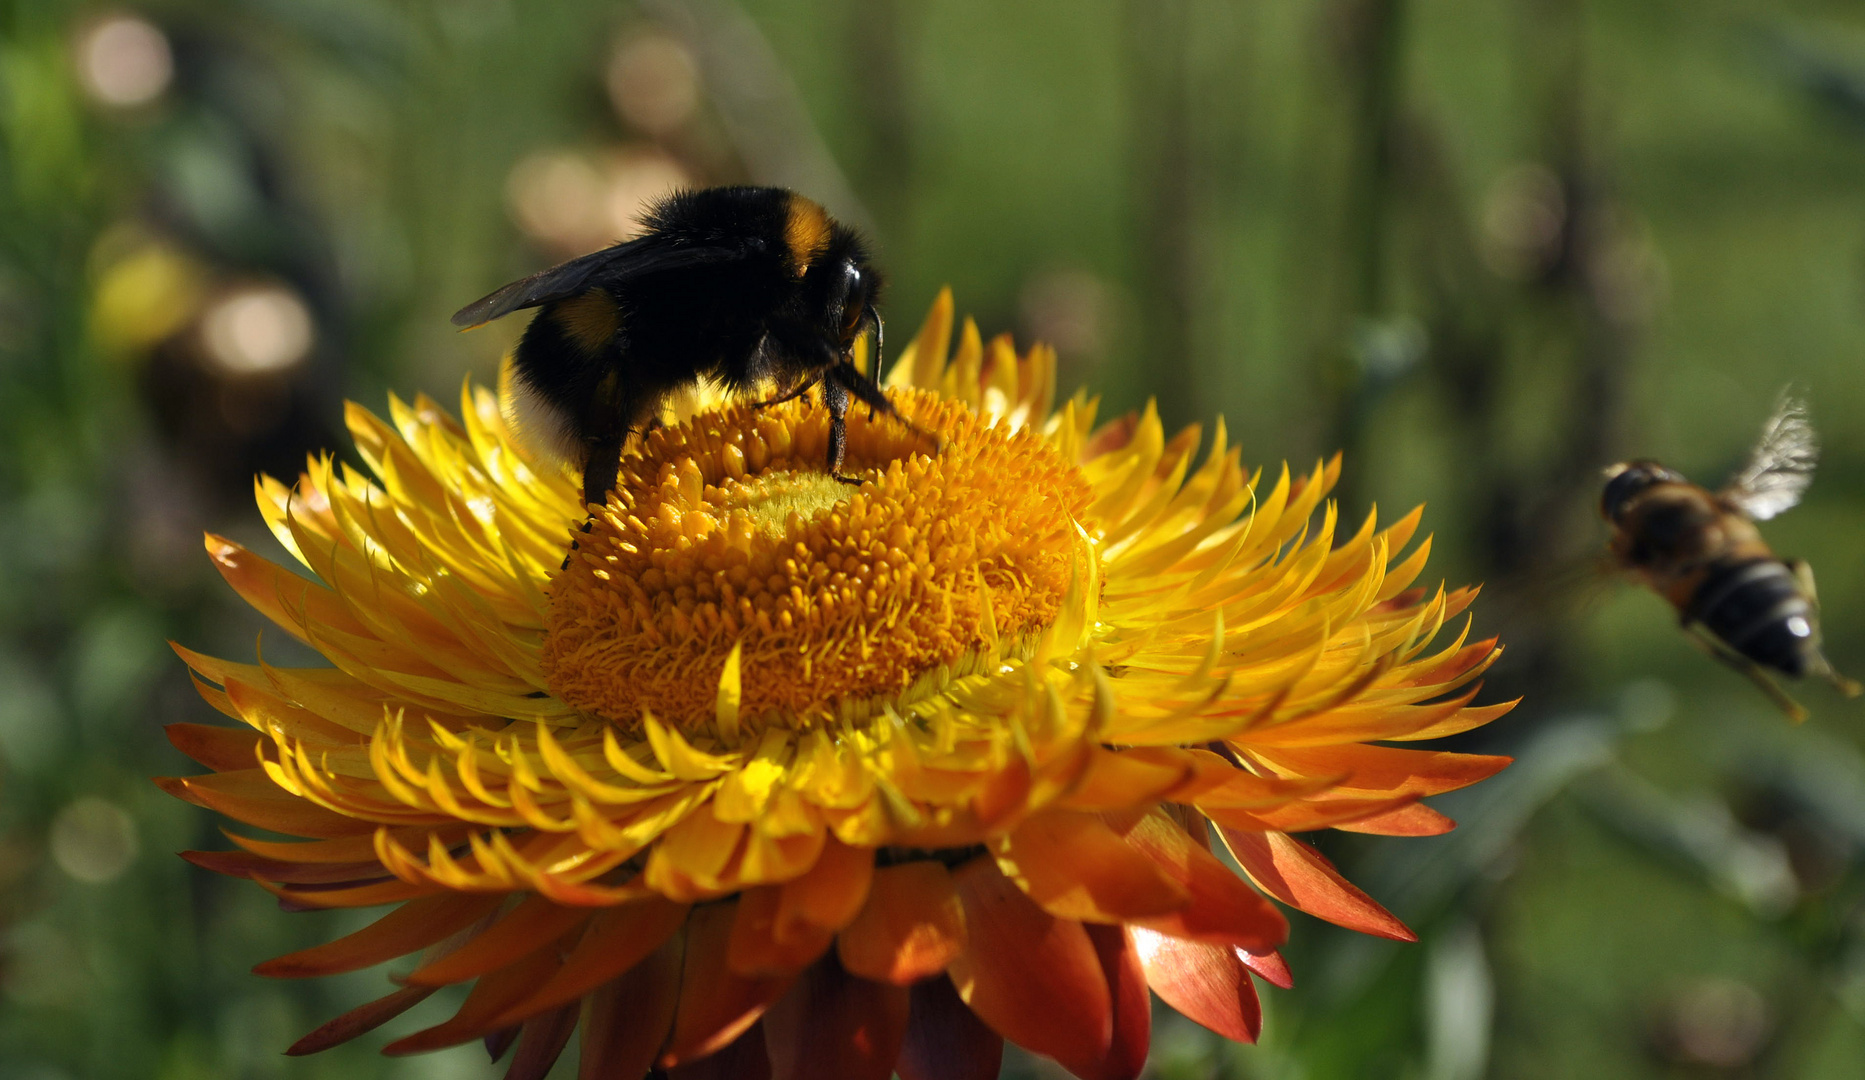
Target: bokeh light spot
[653, 82]
[93, 840]
[124, 61]
[257, 330]
[572, 203]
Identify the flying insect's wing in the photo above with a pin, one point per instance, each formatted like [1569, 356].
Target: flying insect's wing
[1780, 466]
[647, 255]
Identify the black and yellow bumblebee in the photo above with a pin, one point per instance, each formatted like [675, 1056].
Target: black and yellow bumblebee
[746, 285]
[1700, 550]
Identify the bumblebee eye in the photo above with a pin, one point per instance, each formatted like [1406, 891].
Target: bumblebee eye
[852, 294]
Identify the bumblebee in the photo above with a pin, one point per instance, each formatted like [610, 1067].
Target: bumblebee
[747, 285]
[1701, 551]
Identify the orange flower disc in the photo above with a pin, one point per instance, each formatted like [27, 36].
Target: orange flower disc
[726, 532]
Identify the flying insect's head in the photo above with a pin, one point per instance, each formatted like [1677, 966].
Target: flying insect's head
[1627, 480]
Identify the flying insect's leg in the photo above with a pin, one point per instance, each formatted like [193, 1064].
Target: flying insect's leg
[1803, 573]
[1713, 645]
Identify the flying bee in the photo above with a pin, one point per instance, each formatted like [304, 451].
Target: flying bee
[1700, 550]
[747, 285]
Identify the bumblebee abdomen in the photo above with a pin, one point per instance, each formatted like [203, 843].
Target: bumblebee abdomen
[1758, 609]
[590, 321]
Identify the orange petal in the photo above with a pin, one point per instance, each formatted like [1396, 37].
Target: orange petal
[222, 749]
[1270, 967]
[716, 1006]
[478, 1015]
[743, 1059]
[1076, 867]
[414, 925]
[1414, 820]
[363, 1018]
[1132, 1009]
[1115, 779]
[945, 1039]
[1110, 436]
[249, 795]
[832, 1024]
[282, 596]
[365, 894]
[245, 864]
[1246, 791]
[912, 927]
[1005, 791]
[1301, 877]
[526, 928]
[344, 849]
[1459, 722]
[618, 938]
[1307, 815]
[1224, 910]
[626, 1020]
[1207, 983]
[541, 1043]
[1386, 770]
[497, 1042]
[755, 947]
[831, 893]
[1031, 976]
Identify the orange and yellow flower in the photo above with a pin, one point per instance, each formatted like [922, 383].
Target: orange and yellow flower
[780, 776]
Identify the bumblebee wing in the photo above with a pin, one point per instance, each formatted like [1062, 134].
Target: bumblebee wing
[1780, 466]
[632, 259]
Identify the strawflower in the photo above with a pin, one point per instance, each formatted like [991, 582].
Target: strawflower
[783, 777]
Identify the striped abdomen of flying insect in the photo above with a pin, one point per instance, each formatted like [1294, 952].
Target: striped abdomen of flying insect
[1711, 563]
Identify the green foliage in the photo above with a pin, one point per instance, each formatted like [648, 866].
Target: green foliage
[1486, 247]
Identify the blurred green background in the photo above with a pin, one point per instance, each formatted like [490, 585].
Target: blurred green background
[1485, 246]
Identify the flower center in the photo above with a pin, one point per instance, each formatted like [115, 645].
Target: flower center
[725, 532]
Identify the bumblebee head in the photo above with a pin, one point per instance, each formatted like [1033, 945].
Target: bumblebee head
[860, 287]
[1627, 480]
[852, 287]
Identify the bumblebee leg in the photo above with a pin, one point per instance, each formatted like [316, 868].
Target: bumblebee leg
[835, 396]
[1711, 644]
[846, 375]
[788, 395]
[1803, 573]
[599, 472]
